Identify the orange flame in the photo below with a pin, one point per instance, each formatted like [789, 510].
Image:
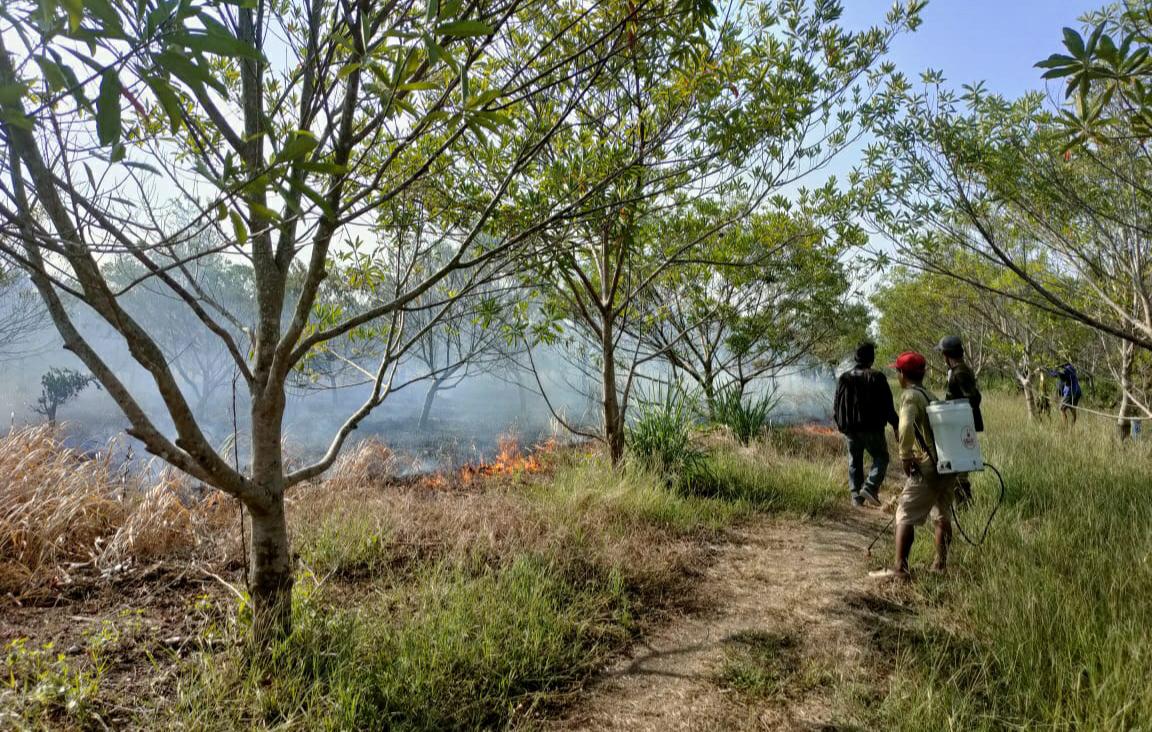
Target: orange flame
[814, 428]
[510, 460]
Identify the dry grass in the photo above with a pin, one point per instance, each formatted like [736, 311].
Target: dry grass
[358, 524]
[61, 513]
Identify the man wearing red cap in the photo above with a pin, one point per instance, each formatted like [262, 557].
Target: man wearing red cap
[926, 492]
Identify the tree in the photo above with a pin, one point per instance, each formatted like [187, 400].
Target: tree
[115, 112]
[777, 300]
[196, 355]
[22, 315]
[472, 340]
[741, 111]
[1001, 334]
[58, 387]
[1008, 183]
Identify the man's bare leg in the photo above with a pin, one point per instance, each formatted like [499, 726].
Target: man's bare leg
[905, 535]
[943, 541]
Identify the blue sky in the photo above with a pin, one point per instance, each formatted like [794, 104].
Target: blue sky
[997, 41]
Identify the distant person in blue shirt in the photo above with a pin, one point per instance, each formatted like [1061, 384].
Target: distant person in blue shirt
[1069, 390]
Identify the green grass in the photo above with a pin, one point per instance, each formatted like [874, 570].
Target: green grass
[759, 664]
[486, 632]
[1049, 626]
[781, 485]
[453, 651]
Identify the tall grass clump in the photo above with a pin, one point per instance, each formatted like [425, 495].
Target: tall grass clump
[746, 415]
[660, 438]
[1049, 626]
[59, 507]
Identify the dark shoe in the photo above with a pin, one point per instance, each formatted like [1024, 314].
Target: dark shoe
[869, 495]
[858, 501]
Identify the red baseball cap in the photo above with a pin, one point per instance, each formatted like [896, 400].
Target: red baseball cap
[910, 362]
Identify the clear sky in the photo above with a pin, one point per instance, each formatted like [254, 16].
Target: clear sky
[996, 41]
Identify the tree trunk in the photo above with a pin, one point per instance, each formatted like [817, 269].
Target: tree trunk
[613, 425]
[1123, 418]
[428, 399]
[1025, 380]
[271, 566]
[271, 574]
[709, 385]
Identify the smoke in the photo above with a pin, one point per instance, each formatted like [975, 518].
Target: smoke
[466, 421]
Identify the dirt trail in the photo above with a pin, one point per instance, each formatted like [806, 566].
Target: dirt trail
[805, 582]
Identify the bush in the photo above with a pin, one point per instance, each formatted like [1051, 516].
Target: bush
[746, 417]
[661, 438]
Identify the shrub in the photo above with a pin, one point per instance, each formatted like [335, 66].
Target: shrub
[661, 438]
[746, 417]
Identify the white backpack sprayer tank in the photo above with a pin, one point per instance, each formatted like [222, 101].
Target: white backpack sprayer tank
[957, 445]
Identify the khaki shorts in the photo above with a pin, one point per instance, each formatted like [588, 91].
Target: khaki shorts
[924, 496]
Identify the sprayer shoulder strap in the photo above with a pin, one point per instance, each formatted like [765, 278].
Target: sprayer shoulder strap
[929, 450]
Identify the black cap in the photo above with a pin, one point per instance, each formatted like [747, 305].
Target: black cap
[865, 353]
[950, 346]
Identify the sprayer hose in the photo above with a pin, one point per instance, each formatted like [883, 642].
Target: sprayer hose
[956, 518]
[988, 523]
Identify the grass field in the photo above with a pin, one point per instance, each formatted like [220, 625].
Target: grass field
[486, 600]
[457, 602]
[1049, 626]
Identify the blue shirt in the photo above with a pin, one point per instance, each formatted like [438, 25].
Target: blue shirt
[1069, 384]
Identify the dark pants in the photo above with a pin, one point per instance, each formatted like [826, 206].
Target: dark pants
[876, 445]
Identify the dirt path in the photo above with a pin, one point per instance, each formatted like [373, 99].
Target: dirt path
[800, 591]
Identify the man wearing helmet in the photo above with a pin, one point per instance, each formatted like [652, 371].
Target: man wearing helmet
[961, 385]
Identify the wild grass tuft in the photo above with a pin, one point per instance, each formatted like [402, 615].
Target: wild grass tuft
[59, 508]
[661, 438]
[455, 651]
[745, 415]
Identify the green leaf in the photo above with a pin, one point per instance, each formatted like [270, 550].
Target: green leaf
[103, 11]
[465, 28]
[17, 119]
[239, 227]
[12, 93]
[218, 41]
[264, 211]
[318, 198]
[299, 145]
[1074, 42]
[418, 86]
[75, 10]
[194, 75]
[167, 98]
[52, 73]
[108, 123]
[1055, 60]
[119, 152]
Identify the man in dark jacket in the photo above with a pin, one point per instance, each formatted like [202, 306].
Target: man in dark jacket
[862, 407]
[961, 385]
[961, 378]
